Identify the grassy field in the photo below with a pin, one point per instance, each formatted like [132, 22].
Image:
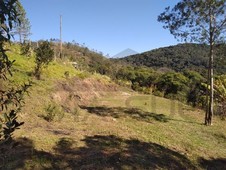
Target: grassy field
[118, 130]
[113, 133]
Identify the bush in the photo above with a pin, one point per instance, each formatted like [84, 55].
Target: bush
[53, 111]
[220, 110]
[158, 93]
[67, 74]
[173, 84]
[26, 49]
[135, 86]
[44, 55]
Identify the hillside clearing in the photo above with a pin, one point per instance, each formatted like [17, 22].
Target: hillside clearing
[113, 136]
[94, 124]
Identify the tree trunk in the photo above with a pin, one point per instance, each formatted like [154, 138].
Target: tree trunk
[207, 96]
[37, 72]
[210, 102]
[20, 37]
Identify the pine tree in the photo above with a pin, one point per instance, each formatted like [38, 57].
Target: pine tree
[22, 29]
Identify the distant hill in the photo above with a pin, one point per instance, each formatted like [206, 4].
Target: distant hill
[179, 57]
[125, 53]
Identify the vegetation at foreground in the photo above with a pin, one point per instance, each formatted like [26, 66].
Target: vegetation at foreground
[10, 98]
[121, 131]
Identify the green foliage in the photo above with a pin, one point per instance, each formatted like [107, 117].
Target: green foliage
[173, 84]
[76, 113]
[220, 95]
[158, 93]
[23, 28]
[220, 88]
[53, 111]
[180, 58]
[44, 55]
[141, 78]
[8, 17]
[87, 59]
[26, 49]
[196, 20]
[190, 60]
[186, 87]
[8, 96]
[9, 124]
[135, 86]
[67, 74]
[197, 91]
[10, 99]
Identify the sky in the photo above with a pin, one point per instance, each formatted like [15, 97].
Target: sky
[108, 26]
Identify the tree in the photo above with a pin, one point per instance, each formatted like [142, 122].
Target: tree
[44, 55]
[172, 84]
[26, 49]
[8, 96]
[196, 93]
[220, 94]
[198, 21]
[24, 27]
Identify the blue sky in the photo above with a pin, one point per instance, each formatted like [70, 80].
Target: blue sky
[109, 26]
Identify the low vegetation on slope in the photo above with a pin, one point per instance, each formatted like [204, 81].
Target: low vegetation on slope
[84, 121]
[126, 131]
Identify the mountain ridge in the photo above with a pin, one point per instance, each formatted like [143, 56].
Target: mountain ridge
[125, 53]
[179, 58]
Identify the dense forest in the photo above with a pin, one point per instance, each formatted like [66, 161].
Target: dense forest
[179, 58]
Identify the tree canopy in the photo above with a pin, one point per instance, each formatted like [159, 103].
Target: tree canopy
[23, 28]
[189, 20]
[44, 55]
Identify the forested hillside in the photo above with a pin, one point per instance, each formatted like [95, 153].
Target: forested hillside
[182, 77]
[179, 58]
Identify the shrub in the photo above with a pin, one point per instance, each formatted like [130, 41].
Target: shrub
[158, 93]
[26, 49]
[173, 84]
[67, 74]
[53, 111]
[220, 110]
[44, 55]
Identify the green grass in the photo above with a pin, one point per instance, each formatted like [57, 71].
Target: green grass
[171, 140]
[183, 129]
[24, 67]
[117, 130]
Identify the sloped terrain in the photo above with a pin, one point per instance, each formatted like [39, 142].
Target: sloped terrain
[85, 121]
[121, 131]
